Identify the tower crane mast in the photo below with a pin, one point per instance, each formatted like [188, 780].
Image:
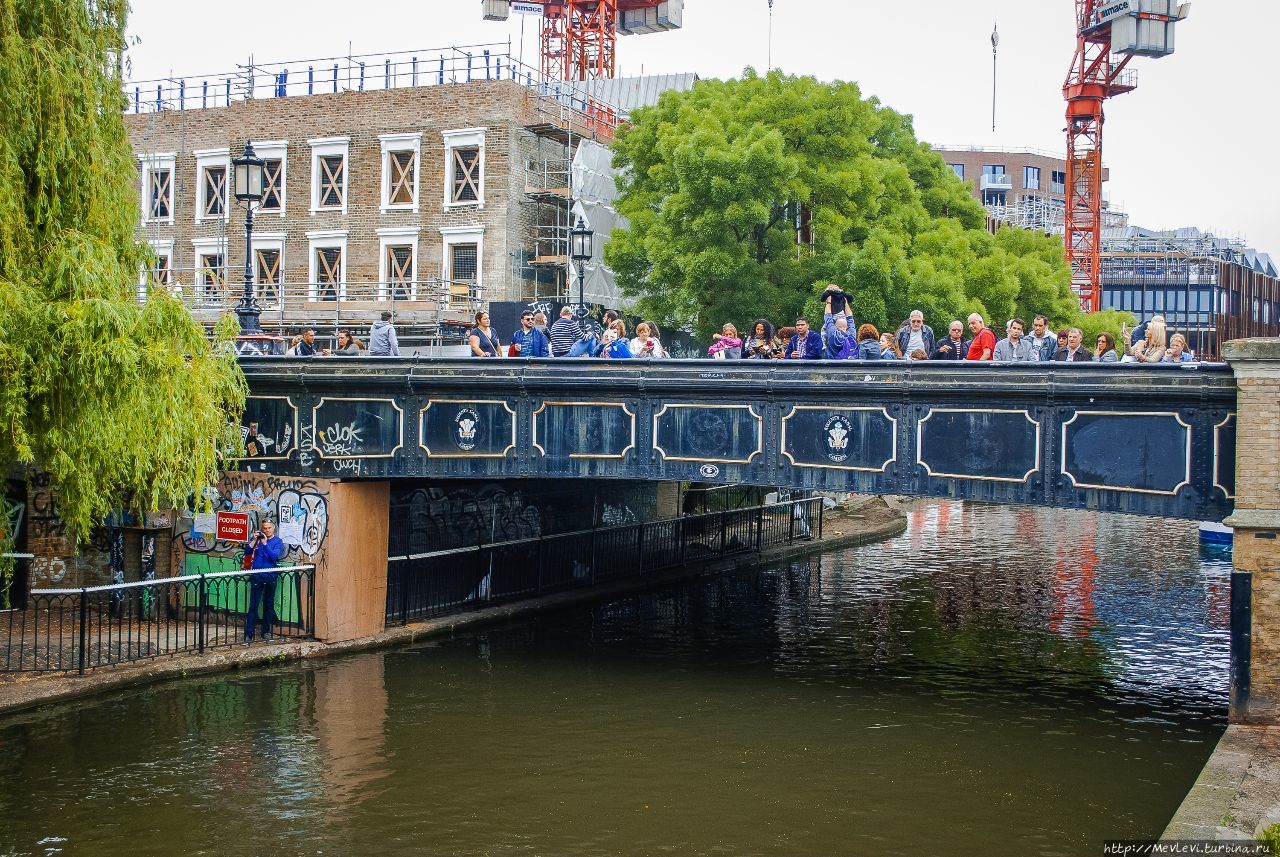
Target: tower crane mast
[578, 39]
[1109, 33]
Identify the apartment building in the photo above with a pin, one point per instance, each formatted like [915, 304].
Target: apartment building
[1005, 177]
[432, 197]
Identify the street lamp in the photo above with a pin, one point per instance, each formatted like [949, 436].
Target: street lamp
[580, 251]
[248, 185]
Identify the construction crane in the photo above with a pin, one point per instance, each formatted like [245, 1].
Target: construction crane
[579, 38]
[1110, 33]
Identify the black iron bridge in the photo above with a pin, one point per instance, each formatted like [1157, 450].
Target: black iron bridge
[1156, 440]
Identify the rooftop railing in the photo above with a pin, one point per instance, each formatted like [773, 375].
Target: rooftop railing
[457, 64]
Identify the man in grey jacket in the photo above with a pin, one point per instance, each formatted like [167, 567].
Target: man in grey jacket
[382, 338]
[1014, 348]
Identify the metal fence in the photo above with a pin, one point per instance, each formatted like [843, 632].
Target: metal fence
[443, 66]
[454, 581]
[94, 626]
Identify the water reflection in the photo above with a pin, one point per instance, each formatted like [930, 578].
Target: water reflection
[995, 681]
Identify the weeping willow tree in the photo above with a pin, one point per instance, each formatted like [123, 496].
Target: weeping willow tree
[126, 404]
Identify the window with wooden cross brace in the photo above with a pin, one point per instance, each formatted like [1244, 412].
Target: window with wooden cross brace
[466, 174]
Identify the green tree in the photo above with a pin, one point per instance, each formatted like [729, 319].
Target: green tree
[123, 403]
[712, 182]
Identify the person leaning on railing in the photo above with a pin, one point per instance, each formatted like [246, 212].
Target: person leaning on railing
[268, 550]
[348, 345]
[482, 339]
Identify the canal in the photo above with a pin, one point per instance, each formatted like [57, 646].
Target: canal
[996, 681]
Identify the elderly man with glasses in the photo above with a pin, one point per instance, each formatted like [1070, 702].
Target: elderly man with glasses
[915, 335]
[955, 347]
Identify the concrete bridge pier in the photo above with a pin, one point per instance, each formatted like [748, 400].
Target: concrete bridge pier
[1255, 583]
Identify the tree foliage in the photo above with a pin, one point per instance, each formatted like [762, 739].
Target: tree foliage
[122, 402]
[712, 180]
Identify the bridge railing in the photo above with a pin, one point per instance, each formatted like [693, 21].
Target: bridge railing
[83, 628]
[440, 583]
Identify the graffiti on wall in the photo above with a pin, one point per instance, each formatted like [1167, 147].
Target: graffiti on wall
[438, 519]
[44, 521]
[299, 507]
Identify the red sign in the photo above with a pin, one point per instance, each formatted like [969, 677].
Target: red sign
[233, 527]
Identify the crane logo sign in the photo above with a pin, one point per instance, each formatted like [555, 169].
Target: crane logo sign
[1114, 10]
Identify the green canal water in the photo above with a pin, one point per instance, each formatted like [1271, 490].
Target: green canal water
[996, 681]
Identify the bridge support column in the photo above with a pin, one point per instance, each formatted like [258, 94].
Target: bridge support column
[1255, 637]
[351, 594]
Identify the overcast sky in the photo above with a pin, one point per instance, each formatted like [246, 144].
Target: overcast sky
[1194, 145]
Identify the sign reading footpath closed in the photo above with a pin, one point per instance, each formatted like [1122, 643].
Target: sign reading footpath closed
[233, 527]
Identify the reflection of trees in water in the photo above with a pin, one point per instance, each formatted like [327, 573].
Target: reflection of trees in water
[981, 597]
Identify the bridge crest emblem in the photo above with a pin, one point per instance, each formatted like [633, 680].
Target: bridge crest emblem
[836, 436]
[465, 426]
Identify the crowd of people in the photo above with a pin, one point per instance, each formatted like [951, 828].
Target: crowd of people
[840, 338]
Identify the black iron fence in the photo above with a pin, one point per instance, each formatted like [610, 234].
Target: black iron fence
[453, 581]
[94, 626]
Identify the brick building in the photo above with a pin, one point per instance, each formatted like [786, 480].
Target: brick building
[1007, 177]
[427, 199]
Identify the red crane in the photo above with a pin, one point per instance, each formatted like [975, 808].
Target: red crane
[1109, 33]
[579, 38]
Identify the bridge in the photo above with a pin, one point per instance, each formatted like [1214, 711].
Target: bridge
[1154, 440]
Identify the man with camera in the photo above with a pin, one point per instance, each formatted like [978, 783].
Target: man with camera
[267, 550]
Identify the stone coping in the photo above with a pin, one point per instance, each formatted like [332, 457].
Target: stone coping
[1237, 795]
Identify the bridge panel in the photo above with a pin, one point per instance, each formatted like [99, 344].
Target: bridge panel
[563, 431]
[863, 439]
[1224, 457]
[1148, 440]
[980, 444]
[1123, 451]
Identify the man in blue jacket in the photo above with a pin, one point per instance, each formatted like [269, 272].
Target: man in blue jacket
[841, 342]
[268, 550]
[806, 344]
[528, 341]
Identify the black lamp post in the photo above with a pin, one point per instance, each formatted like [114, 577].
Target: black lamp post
[248, 184]
[580, 251]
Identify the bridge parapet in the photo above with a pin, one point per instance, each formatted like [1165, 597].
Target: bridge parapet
[1147, 440]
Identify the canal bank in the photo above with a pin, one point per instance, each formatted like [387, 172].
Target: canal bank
[864, 520]
[1237, 795]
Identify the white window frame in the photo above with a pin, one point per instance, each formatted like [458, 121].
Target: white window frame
[320, 147]
[208, 247]
[269, 150]
[325, 239]
[212, 158]
[400, 143]
[461, 139]
[451, 235]
[157, 161]
[161, 247]
[271, 241]
[396, 237]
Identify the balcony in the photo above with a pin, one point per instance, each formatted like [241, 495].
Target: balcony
[996, 181]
